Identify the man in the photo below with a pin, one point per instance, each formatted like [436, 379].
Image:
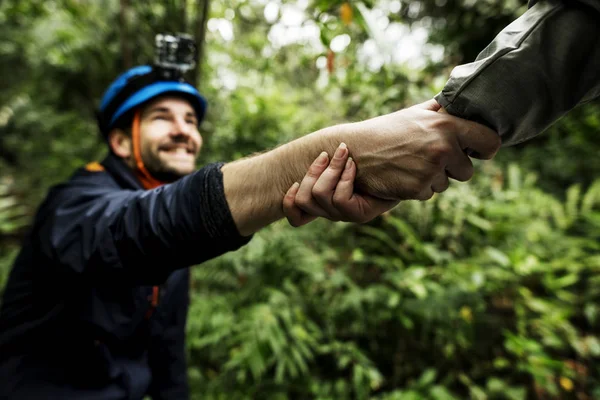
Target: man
[95, 306]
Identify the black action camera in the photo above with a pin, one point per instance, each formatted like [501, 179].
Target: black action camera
[175, 55]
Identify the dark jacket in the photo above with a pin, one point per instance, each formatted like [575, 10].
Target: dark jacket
[77, 318]
[537, 69]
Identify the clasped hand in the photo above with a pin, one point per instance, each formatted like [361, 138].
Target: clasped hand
[426, 149]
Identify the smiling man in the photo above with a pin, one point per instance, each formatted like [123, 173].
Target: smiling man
[171, 140]
[96, 303]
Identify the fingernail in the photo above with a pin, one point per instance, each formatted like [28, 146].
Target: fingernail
[349, 163]
[322, 159]
[341, 150]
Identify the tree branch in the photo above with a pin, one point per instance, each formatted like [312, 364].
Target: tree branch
[125, 45]
[200, 36]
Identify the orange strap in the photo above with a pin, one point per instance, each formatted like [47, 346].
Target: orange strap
[153, 302]
[147, 180]
[94, 166]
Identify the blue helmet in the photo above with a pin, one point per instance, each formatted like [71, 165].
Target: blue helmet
[139, 85]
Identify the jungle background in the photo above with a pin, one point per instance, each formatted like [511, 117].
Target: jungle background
[490, 290]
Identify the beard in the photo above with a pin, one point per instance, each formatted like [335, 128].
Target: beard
[165, 174]
[166, 170]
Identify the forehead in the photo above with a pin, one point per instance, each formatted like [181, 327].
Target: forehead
[173, 104]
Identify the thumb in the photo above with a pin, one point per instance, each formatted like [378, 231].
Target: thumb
[430, 105]
[481, 141]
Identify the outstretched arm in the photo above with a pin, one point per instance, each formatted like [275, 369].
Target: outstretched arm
[537, 69]
[398, 156]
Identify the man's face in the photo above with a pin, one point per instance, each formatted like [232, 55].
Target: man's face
[169, 138]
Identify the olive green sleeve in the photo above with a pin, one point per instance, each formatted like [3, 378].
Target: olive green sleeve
[537, 69]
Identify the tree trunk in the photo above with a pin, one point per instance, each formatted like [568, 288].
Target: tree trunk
[183, 16]
[126, 54]
[200, 36]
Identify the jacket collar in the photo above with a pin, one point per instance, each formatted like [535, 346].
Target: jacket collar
[124, 176]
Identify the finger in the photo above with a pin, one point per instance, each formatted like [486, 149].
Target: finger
[324, 188]
[294, 215]
[431, 105]
[424, 194]
[459, 166]
[440, 183]
[291, 212]
[304, 198]
[373, 207]
[356, 207]
[344, 189]
[479, 140]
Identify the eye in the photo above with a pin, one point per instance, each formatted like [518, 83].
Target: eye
[191, 121]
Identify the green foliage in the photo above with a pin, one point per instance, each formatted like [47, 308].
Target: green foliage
[566, 153]
[12, 221]
[487, 291]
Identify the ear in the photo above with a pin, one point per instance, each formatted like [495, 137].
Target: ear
[120, 143]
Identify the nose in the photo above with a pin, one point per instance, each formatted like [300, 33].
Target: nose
[181, 127]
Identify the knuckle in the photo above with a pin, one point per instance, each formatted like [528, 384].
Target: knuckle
[337, 164]
[425, 195]
[303, 200]
[337, 199]
[439, 150]
[495, 144]
[319, 192]
[442, 124]
[313, 172]
[414, 189]
[411, 193]
[468, 172]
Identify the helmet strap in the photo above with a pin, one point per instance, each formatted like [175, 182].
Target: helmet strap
[147, 180]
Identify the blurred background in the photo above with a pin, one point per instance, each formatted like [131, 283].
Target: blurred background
[488, 291]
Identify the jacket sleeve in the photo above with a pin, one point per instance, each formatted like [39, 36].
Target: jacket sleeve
[537, 69]
[167, 355]
[112, 235]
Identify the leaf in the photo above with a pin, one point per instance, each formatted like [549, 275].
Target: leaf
[572, 204]
[346, 13]
[479, 222]
[498, 256]
[593, 345]
[591, 311]
[418, 289]
[439, 392]
[427, 377]
[562, 282]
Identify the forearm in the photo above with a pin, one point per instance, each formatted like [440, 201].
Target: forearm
[255, 186]
[537, 69]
